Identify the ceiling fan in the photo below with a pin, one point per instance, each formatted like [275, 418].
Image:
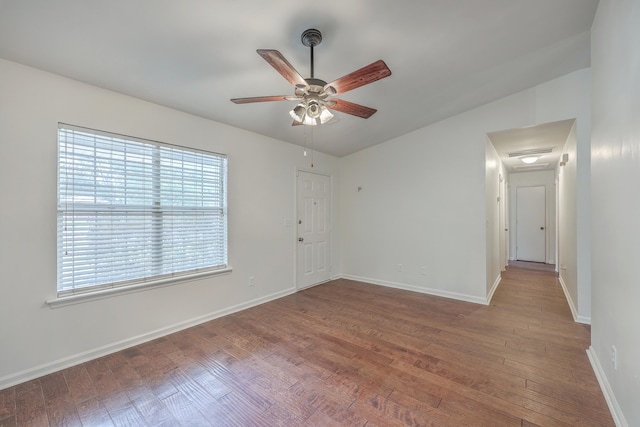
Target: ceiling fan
[314, 96]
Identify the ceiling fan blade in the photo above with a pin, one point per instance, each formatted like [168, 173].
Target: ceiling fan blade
[296, 123]
[260, 99]
[369, 74]
[279, 62]
[351, 108]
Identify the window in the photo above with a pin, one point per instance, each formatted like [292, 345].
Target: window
[133, 211]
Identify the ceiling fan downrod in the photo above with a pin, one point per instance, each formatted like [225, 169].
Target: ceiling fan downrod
[311, 38]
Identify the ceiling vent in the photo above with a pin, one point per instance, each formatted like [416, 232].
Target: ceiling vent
[530, 152]
[533, 166]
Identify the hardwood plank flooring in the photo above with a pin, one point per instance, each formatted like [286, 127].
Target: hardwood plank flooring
[343, 353]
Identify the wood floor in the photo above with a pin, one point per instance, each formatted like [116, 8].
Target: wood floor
[533, 265]
[343, 354]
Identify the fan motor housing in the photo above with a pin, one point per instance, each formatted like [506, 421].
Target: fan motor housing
[315, 82]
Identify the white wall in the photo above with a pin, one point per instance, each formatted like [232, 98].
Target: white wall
[615, 169]
[35, 338]
[494, 171]
[423, 203]
[568, 233]
[533, 179]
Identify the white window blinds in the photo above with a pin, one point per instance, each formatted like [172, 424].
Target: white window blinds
[132, 211]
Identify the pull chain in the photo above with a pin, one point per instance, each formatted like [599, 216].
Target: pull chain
[308, 141]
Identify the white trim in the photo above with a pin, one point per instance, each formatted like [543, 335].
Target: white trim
[66, 362]
[612, 402]
[493, 289]
[584, 320]
[429, 291]
[574, 312]
[66, 300]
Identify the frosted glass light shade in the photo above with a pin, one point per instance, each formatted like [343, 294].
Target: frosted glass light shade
[313, 114]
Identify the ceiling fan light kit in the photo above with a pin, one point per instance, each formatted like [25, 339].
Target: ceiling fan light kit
[310, 113]
[312, 94]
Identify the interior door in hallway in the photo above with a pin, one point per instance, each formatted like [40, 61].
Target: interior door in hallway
[530, 222]
[314, 229]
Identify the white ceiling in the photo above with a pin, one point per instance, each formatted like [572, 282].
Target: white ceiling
[551, 136]
[446, 56]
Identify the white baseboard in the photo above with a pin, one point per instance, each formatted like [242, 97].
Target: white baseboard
[66, 362]
[429, 291]
[493, 288]
[584, 320]
[614, 407]
[574, 312]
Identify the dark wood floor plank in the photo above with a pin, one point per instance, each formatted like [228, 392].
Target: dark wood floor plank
[183, 410]
[568, 400]
[64, 415]
[79, 383]
[335, 417]
[122, 411]
[241, 412]
[373, 411]
[200, 398]
[152, 409]
[220, 365]
[127, 377]
[207, 380]
[482, 414]
[7, 402]
[287, 358]
[114, 360]
[282, 417]
[134, 357]
[102, 378]
[344, 353]
[514, 405]
[93, 413]
[59, 402]
[9, 421]
[30, 406]
[406, 415]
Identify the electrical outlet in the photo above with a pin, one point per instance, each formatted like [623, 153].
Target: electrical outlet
[251, 280]
[423, 270]
[614, 357]
[399, 268]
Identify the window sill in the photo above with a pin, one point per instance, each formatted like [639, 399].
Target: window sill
[107, 293]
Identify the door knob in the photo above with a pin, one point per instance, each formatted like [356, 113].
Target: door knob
[300, 239]
[541, 228]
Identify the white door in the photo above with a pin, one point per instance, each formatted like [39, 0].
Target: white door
[314, 229]
[530, 222]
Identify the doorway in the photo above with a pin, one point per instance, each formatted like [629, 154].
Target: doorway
[531, 224]
[313, 205]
